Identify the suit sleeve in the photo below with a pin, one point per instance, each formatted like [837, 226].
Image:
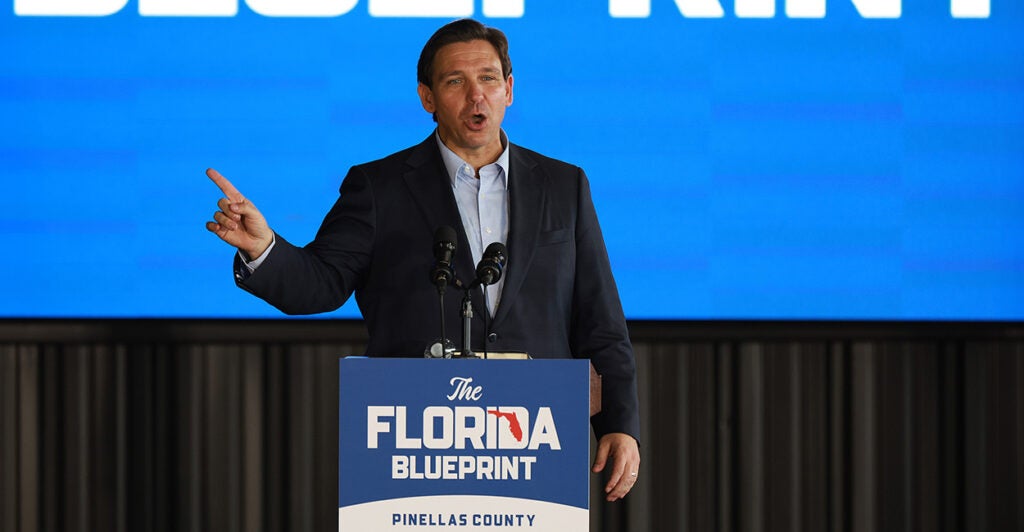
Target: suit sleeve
[599, 327]
[321, 276]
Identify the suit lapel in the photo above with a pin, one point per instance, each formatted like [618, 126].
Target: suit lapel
[527, 194]
[431, 189]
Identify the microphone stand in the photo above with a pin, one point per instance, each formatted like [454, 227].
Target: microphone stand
[487, 320]
[488, 271]
[444, 337]
[440, 348]
[467, 318]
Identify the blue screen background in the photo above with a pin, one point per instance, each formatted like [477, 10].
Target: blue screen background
[834, 168]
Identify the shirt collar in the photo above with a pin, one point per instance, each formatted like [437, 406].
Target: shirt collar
[453, 163]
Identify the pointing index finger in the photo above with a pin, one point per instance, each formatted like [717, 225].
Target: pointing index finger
[225, 186]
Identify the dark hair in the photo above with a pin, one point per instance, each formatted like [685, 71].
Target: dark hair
[464, 30]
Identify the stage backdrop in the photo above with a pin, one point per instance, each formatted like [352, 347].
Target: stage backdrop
[793, 159]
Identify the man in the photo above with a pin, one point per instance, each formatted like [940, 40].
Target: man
[557, 298]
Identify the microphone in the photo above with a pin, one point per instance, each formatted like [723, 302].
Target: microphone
[488, 272]
[491, 264]
[444, 253]
[441, 275]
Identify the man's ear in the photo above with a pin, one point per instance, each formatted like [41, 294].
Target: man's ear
[426, 98]
[508, 91]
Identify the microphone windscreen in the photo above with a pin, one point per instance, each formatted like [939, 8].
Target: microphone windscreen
[491, 264]
[445, 233]
[444, 243]
[497, 252]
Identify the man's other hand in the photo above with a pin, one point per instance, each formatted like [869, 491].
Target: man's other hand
[624, 453]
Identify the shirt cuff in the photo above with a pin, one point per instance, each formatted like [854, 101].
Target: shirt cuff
[251, 265]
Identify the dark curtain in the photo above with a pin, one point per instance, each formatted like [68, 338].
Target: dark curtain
[231, 426]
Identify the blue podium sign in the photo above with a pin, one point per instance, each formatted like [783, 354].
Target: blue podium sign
[463, 445]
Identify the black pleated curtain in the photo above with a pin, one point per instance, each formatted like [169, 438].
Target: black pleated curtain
[232, 426]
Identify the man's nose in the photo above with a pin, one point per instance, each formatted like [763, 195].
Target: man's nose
[475, 92]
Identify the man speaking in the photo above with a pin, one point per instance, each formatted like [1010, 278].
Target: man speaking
[557, 297]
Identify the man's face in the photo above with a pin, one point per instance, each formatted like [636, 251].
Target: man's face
[469, 98]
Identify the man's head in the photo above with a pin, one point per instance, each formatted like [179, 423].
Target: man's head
[465, 81]
[464, 30]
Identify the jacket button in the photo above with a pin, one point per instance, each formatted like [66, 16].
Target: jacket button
[493, 337]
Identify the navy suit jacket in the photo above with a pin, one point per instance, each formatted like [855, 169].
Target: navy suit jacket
[559, 298]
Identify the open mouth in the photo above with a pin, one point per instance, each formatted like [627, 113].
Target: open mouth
[477, 121]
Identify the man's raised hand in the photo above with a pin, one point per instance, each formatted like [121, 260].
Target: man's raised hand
[238, 222]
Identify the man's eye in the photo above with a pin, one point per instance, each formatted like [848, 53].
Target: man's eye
[454, 81]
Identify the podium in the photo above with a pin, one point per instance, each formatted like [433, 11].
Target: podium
[430, 445]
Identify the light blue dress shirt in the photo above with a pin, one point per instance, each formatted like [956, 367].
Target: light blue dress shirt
[483, 206]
